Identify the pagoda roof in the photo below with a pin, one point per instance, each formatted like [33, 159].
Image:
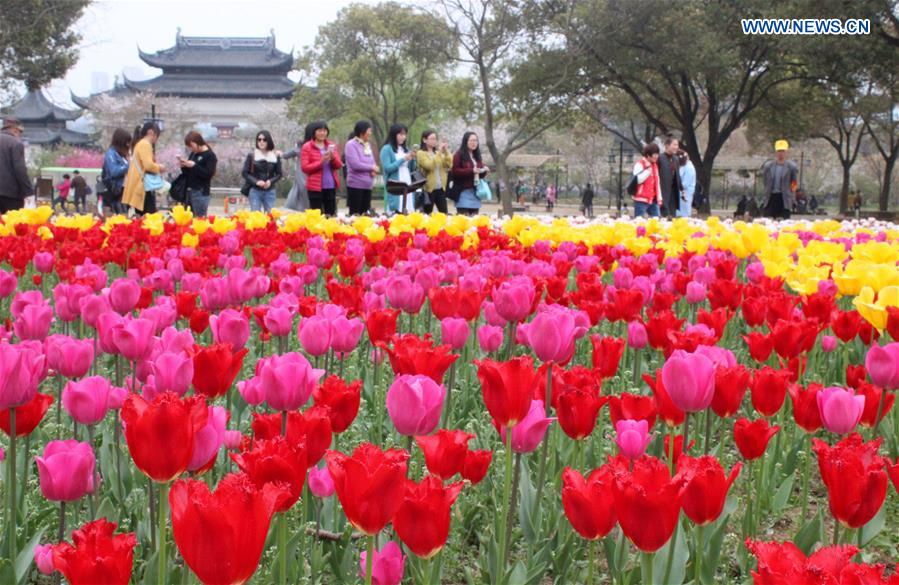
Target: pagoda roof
[34, 107]
[50, 136]
[246, 54]
[216, 85]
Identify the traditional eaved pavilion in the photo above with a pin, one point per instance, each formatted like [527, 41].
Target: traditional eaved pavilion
[222, 80]
[45, 122]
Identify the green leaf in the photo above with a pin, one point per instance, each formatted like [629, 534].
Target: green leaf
[608, 545]
[809, 534]
[782, 496]
[678, 562]
[518, 574]
[527, 499]
[7, 574]
[873, 528]
[26, 555]
[714, 542]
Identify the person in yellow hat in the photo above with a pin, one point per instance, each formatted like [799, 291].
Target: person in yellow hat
[780, 178]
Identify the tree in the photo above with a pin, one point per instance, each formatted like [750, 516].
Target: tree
[387, 63]
[37, 43]
[687, 66]
[522, 70]
[882, 119]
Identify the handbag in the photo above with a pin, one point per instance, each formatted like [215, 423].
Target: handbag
[247, 185]
[418, 181]
[454, 192]
[152, 181]
[178, 190]
[483, 192]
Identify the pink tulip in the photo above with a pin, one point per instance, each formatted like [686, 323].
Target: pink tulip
[107, 324]
[345, 334]
[252, 391]
[720, 357]
[92, 306]
[8, 283]
[214, 294]
[632, 437]
[23, 299]
[230, 326]
[134, 339]
[828, 343]
[2, 455]
[414, 404]
[43, 559]
[233, 440]
[690, 380]
[66, 470]
[288, 380]
[124, 295]
[755, 271]
[209, 439]
[172, 372]
[454, 332]
[637, 337]
[387, 565]
[174, 340]
[34, 322]
[241, 285]
[67, 298]
[71, 358]
[514, 298]
[162, 316]
[320, 483]
[882, 363]
[491, 315]
[21, 371]
[622, 277]
[43, 262]
[315, 335]
[551, 335]
[840, 409]
[88, 400]
[529, 432]
[400, 293]
[490, 338]
[696, 292]
[278, 321]
[378, 355]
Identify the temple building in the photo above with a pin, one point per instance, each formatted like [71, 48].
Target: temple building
[46, 123]
[222, 81]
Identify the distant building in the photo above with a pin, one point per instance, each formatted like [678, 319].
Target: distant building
[45, 122]
[221, 80]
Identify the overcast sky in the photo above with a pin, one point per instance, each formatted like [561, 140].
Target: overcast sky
[113, 29]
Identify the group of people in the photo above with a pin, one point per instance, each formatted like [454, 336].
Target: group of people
[665, 181]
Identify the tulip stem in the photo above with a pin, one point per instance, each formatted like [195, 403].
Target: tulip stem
[60, 535]
[700, 550]
[637, 364]
[507, 491]
[836, 531]
[284, 423]
[516, 477]
[11, 520]
[805, 473]
[161, 576]
[118, 457]
[58, 406]
[369, 558]
[879, 411]
[620, 559]
[686, 432]
[92, 498]
[544, 450]
[671, 437]
[647, 568]
[591, 554]
[708, 430]
[150, 493]
[448, 405]
[282, 547]
[672, 545]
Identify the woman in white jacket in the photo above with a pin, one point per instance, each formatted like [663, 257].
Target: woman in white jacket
[688, 180]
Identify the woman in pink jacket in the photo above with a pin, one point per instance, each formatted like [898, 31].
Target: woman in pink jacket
[648, 197]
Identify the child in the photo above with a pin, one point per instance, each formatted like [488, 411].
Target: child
[63, 189]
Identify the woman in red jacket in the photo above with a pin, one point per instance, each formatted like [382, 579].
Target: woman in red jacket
[649, 193]
[320, 161]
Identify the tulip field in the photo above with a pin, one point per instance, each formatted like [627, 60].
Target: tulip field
[431, 399]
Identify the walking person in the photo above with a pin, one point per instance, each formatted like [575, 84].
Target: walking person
[14, 183]
[550, 198]
[261, 171]
[397, 164]
[435, 162]
[688, 181]
[298, 198]
[320, 160]
[468, 170]
[115, 167]
[648, 197]
[62, 189]
[779, 178]
[587, 200]
[361, 169]
[669, 176]
[143, 162]
[199, 167]
[79, 188]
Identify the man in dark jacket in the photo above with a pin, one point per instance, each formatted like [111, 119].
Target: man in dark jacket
[14, 183]
[779, 177]
[669, 177]
[79, 186]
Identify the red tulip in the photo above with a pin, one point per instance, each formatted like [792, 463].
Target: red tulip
[755, 310]
[627, 304]
[312, 428]
[507, 388]
[752, 437]
[28, 416]
[670, 414]
[607, 353]
[416, 356]
[893, 471]
[873, 395]
[370, 485]
[730, 387]
[706, 488]
[647, 502]
[221, 534]
[445, 452]
[674, 456]
[97, 555]
[805, 406]
[659, 326]
[854, 475]
[186, 304]
[589, 503]
[788, 337]
[769, 390]
[784, 563]
[577, 411]
[423, 519]
[845, 325]
[276, 461]
[633, 407]
[453, 301]
[381, 325]
[760, 345]
[199, 321]
[160, 434]
[341, 399]
[856, 375]
[725, 293]
[477, 463]
[215, 368]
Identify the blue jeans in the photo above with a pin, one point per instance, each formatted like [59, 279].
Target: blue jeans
[199, 202]
[260, 199]
[649, 209]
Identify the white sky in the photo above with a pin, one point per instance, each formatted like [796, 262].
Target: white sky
[112, 30]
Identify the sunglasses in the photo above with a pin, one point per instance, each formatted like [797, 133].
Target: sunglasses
[261, 139]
